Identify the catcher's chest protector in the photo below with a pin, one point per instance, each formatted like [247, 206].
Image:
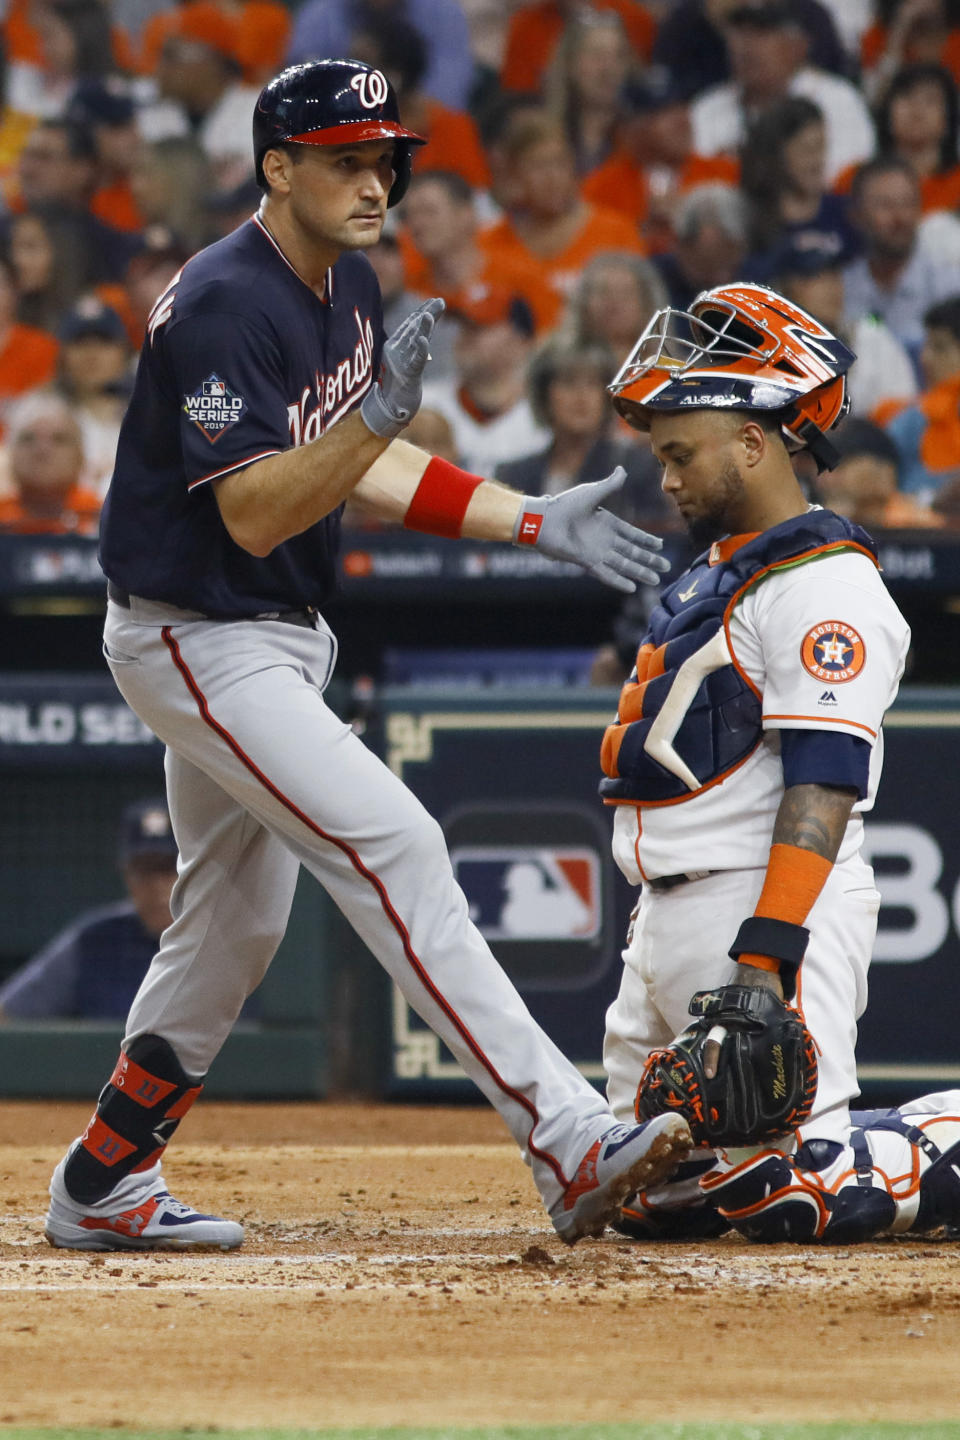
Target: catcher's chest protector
[723, 724]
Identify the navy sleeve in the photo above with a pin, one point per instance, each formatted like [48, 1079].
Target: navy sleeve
[230, 383]
[821, 757]
[45, 987]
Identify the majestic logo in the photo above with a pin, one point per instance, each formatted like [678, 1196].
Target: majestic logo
[833, 651]
[214, 407]
[371, 87]
[335, 390]
[827, 698]
[522, 893]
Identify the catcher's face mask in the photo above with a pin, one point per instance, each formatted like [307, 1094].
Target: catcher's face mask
[740, 347]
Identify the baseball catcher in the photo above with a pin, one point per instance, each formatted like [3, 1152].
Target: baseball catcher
[742, 759]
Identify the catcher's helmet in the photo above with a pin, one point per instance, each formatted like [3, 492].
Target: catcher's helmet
[333, 102]
[740, 347]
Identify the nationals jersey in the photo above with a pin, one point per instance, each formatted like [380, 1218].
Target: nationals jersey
[241, 360]
[820, 646]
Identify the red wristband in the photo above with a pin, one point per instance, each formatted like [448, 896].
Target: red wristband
[440, 500]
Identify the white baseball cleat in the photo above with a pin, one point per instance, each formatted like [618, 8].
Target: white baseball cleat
[158, 1222]
[625, 1158]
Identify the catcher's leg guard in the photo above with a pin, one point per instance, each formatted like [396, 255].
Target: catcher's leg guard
[926, 1182]
[816, 1195]
[140, 1107]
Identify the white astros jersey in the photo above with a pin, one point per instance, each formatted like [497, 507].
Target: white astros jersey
[824, 646]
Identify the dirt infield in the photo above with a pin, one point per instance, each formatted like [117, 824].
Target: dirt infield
[399, 1270]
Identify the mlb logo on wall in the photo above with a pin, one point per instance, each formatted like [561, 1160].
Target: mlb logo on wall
[522, 893]
[214, 407]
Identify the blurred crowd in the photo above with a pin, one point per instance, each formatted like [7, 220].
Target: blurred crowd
[588, 163]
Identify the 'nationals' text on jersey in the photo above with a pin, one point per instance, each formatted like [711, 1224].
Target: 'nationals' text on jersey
[242, 360]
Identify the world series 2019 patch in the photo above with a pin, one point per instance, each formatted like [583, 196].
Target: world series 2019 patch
[832, 650]
[214, 407]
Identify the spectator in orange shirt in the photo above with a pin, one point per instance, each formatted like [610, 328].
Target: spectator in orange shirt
[655, 163]
[552, 224]
[106, 108]
[202, 90]
[589, 69]
[536, 28]
[28, 357]
[259, 29]
[499, 117]
[74, 41]
[442, 255]
[918, 119]
[927, 433]
[144, 281]
[45, 455]
[913, 32]
[395, 47]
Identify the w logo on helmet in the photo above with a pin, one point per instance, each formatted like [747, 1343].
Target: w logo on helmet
[371, 87]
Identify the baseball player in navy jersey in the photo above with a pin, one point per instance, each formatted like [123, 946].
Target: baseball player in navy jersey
[265, 395]
[746, 750]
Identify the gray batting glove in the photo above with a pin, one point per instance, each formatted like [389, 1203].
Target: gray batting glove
[392, 402]
[574, 526]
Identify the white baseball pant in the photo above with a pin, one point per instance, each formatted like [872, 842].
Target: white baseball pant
[263, 777]
[680, 941]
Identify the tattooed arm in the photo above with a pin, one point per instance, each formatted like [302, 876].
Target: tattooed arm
[814, 817]
[811, 818]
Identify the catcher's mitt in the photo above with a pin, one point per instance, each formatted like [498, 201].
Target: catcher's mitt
[766, 1073]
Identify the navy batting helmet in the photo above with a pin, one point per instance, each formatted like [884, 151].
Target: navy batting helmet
[333, 102]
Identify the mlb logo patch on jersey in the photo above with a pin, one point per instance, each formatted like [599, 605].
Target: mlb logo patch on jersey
[214, 407]
[522, 893]
[833, 651]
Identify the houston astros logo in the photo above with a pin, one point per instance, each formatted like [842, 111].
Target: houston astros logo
[371, 87]
[833, 651]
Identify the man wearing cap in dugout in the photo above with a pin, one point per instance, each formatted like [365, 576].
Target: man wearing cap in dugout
[93, 968]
